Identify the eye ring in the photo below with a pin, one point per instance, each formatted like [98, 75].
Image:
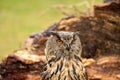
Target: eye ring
[59, 42]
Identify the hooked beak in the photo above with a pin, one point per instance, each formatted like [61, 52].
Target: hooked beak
[68, 47]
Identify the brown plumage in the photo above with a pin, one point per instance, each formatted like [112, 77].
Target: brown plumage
[62, 52]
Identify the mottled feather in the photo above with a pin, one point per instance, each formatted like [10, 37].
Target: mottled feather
[63, 50]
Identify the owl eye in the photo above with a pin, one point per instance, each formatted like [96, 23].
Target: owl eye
[59, 42]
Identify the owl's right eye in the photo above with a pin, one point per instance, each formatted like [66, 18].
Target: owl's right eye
[59, 42]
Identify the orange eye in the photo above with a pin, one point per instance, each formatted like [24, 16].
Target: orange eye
[59, 42]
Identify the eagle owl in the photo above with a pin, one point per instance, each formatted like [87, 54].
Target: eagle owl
[63, 50]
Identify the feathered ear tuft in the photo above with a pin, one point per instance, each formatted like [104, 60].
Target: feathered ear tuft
[54, 33]
[77, 33]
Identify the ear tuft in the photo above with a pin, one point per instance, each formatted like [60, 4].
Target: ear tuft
[53, 33]
[77, 33]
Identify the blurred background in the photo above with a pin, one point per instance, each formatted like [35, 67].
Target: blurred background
[20, 18]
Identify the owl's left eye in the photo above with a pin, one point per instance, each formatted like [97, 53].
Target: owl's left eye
[59, 42]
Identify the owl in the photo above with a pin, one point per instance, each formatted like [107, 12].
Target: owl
[63, 50]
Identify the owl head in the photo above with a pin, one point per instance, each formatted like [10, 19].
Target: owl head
[63, 44]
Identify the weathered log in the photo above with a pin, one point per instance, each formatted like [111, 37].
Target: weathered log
[22, 65]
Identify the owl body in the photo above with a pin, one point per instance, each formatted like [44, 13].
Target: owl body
[62, 52]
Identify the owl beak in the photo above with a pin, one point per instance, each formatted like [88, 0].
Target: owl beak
[68, 47]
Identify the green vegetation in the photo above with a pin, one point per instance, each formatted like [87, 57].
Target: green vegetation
[20, 18]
